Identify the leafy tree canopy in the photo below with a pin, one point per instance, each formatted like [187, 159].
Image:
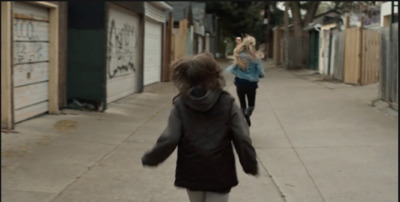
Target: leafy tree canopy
[347, 6]
[237, 18]
[342, 6]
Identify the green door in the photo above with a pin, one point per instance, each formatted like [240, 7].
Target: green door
[314, 50]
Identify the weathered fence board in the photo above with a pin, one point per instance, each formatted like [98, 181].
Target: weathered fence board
[296, 48]
[179, 40]
[324, 51]
[362, 53]
[395, 67]
[282, 51]
[383, 64]
[370, 57]
[277, 55]
[189, 40]
[388, 85]
[352, 58]
[338, 54]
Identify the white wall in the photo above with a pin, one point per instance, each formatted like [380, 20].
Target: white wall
[386, 9]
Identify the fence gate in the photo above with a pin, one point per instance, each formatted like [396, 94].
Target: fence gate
[179, 40]
[352, 58]
[362, 50]
[370, 57]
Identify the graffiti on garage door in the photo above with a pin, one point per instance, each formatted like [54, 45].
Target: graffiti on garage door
[121, 49]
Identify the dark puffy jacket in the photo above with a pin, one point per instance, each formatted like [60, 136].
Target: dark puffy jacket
[204, 128]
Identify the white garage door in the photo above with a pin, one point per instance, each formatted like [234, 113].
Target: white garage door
[122, 53]
[31, 60]
[152, 52]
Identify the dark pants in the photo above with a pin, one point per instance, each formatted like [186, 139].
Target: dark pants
[243, 91]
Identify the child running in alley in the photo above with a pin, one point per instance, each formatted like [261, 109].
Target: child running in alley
[203, 124]
[247, 69]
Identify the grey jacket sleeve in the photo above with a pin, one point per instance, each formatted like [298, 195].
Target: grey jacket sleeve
[242, 142]
[166, 143]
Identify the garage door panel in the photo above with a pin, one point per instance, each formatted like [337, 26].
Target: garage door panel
[122, 39]
[25, 52]
[26, 74]
[30, 56]
[30, 11]
[153, 50]
[29, 30]
[28, 112]
[30, 94]
[118, 88]
[122, 53]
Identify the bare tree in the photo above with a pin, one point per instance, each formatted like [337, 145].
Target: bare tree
[299, 23]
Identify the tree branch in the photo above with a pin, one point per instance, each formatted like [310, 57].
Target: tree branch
[312, 9]
[296, 17]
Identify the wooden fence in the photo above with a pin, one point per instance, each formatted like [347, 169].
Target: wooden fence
[352, 60]
[362, 48]
[277, 48]
[297, 47]
[282, 52]
[280, 56]
[370, 57]
[388, 82]
[179, 40]
[325, 48]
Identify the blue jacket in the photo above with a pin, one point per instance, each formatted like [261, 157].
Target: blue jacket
[253, 71]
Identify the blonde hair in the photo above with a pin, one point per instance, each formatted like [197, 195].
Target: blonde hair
[201, 69]
[248, 46]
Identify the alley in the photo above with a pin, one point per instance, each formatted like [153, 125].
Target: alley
[316, 141]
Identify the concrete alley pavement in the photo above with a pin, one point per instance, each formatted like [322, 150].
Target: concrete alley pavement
[316, 141]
